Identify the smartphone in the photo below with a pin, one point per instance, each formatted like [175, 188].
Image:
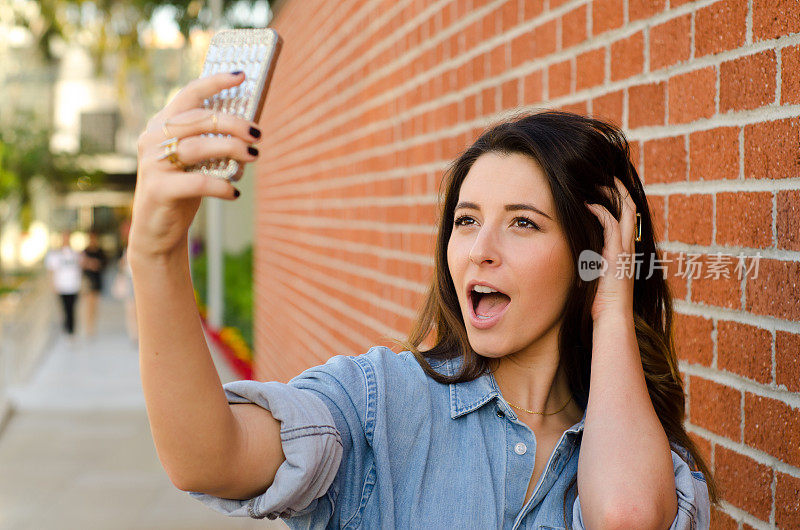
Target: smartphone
[255, 52]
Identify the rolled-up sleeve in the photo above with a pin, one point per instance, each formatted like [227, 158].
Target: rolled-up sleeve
[694, 507]
[311, 444]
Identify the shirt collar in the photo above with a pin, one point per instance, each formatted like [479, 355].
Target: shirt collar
[471, 395]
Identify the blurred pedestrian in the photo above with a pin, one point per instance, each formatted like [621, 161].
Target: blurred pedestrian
[93, 263]
[64, 269]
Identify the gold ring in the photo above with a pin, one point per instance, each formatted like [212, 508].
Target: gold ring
[214, 121]
[171, 152]
[166, 132]
[638, 227]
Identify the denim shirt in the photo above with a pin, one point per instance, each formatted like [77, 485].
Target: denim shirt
[372, 441]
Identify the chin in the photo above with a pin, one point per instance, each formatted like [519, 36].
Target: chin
[488, 346]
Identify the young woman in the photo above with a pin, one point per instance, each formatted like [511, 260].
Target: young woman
[546, 401]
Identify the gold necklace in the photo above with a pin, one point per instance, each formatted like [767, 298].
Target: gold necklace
[542, 413]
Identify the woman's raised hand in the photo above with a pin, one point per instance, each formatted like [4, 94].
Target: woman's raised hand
[167, 197]
[615, 288]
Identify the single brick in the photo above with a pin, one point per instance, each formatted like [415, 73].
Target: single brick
[638, 9]
[715, 281]
[670, 42]
[532, 8]
[521, 49]
[559, 78]
[773, 290]
[609, 107]
[691, 95]
[787, 360]
[775, 18]
[573, 27]
[715, 407]
[744, 482]
[693, 341]
[665, 160]
[627, 57]
[790, 75]
[714, 154]
[772, 426]
[690, 219]
[498, 60]
[747, 82]
[510, 15]
[744, 219]
[590, 68]
[545, 38]
[787, 501]
[607, 15]
[720, 27]
[489, 100]
[787, 217]
[744, 350]
[772, 149]
[510, 94]
[647, 105]
[532, 88]
[657, 212]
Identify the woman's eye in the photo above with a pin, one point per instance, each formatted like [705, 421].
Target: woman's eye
[524, 222]
[463, 220]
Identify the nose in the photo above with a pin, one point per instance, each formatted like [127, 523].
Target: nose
[484, 249]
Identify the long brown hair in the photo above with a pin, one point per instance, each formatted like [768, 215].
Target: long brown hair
[580, 156]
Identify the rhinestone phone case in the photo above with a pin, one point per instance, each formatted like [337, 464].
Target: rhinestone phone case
[255, 52]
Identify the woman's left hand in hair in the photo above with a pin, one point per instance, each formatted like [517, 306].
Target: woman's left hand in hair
[614, 296]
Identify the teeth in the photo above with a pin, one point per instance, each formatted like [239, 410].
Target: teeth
[483, 289]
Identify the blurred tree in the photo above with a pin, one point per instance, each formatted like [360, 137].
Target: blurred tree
[25, 153]
[116, 27]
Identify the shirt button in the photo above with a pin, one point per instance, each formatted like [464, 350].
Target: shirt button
[520, 448]
[500, 414]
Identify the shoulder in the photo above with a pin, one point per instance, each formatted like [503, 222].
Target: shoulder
[378, 368]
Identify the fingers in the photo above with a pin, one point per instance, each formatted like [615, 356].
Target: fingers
[609, 223]
[196, 92]
[183, 185]
[199, 121]
[628, 217]
[196, 149]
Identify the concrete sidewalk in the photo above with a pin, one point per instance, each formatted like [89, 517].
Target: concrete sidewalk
[77, 451]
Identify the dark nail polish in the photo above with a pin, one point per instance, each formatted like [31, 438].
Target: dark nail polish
[255, 133]
[237, 72]
[252, 150]
[236, 193]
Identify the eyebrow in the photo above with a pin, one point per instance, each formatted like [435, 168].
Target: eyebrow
[509, 207]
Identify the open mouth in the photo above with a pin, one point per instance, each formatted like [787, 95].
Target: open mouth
[487, 303]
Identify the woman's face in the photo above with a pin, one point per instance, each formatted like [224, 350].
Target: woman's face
[506, 238]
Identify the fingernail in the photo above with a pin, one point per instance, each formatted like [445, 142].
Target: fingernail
[236, 193]
[255, 133]
[252, 150]
[237, 72]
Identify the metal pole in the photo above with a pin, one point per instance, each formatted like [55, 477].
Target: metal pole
[214, 229]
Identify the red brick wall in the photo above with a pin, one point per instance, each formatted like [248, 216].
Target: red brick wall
[372, 99]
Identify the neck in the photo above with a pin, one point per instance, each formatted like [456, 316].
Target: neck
[531, 379]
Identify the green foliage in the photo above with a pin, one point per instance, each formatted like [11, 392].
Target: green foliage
[117, 26]
[238, 289]
[25, 154]
[239, 293]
